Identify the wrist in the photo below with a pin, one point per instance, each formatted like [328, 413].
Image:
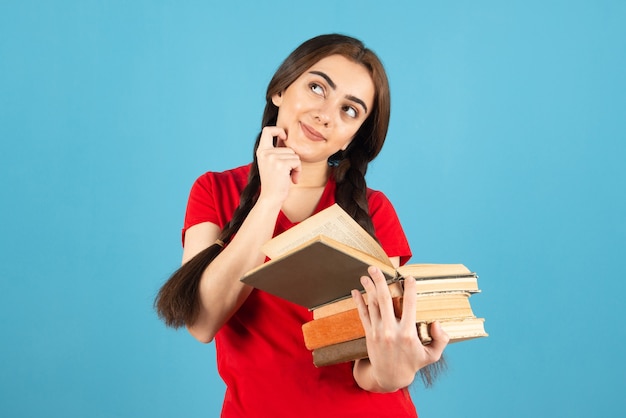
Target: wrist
[367, 378]
[392, 383]
[269, 202]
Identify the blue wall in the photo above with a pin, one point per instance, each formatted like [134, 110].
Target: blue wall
[506, 152]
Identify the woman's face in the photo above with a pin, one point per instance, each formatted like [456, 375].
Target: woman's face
[322, 110]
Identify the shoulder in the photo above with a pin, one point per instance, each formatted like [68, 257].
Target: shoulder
[381, 209]
[221, 184]
[234, 176]
[214, 196]
[379, 203]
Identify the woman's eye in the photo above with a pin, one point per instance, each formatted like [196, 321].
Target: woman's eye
[350, 111]
[317, 89]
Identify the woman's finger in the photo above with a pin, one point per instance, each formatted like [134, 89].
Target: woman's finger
[409, 303]
[362, 309]
[382, 297]
[267, 136]
[439, 342]
[372, 301]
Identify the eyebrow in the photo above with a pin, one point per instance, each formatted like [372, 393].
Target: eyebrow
[333, 86]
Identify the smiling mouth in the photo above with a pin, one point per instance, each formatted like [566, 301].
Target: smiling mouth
[311, 133]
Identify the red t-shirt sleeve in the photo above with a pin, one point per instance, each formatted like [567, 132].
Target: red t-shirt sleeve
[387, 226]
[214, 197]
[201, 204]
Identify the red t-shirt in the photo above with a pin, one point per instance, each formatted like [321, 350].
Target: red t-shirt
[261, 354]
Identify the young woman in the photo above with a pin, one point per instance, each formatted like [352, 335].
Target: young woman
[325, 119]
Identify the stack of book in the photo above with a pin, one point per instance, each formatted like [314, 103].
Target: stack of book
[317, 263]
[443, 291]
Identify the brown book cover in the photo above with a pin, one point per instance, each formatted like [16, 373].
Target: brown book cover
[340, 353]
[315, 275]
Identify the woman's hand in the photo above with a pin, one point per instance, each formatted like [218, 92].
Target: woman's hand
[279, 167]
[394, 349]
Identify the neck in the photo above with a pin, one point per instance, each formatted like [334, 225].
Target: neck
[314, 174]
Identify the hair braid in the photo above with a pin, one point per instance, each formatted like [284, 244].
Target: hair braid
[351, 193]
[177, 302]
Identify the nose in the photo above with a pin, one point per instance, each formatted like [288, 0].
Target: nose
[322, 113]
[322, 117]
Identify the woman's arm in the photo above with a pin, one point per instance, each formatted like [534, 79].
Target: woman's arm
[221, 292]
[394, 349]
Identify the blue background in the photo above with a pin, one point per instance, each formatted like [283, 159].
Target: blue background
[506, 152]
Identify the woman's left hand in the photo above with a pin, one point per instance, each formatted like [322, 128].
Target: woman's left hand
[395, 352]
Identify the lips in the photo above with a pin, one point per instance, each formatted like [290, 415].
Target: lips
[311, 133]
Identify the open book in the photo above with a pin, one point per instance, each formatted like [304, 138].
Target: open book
[320, 261]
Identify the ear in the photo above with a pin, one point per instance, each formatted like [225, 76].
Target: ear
[277, 99]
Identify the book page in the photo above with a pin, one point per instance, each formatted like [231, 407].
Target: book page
[332, 222]
[434, 270]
